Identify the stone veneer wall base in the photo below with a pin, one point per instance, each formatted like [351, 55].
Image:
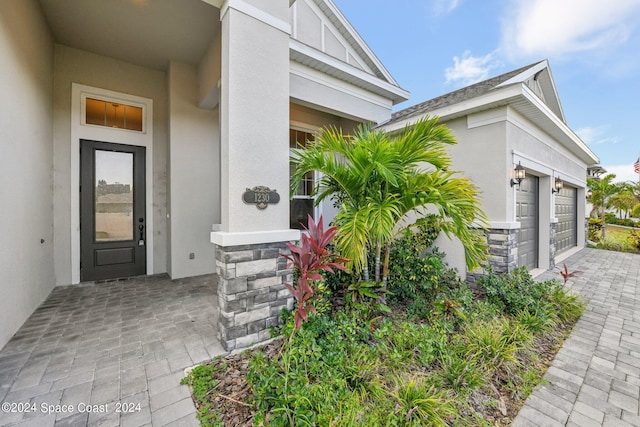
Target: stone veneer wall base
[552, 244]
[251, 293]
[503, 253]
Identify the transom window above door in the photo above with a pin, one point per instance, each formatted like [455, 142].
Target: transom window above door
[113, 114]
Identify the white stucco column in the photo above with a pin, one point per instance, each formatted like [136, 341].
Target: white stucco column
[254, 132]
[254, 120]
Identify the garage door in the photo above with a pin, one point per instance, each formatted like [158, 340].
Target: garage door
[527, 215]
[566, 212]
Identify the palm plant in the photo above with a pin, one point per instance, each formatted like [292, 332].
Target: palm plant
[623, 200]
[601, 191]
[376, 179]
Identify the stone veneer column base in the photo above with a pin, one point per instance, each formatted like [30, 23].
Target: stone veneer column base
[552, 245]
[503, 252]
[251, 294]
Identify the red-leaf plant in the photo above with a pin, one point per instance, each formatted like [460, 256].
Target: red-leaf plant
[566, 275]
[309, 258]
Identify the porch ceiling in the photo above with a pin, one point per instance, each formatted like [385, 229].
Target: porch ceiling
[149, 33]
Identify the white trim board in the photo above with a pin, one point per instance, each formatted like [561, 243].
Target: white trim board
[255, 13]
[118, 136]
[546, 169]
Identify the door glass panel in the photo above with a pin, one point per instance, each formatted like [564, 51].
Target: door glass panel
[113, 196]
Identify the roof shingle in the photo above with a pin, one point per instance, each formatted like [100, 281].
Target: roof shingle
[456, 96]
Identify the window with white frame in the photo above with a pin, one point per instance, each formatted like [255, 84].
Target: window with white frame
[302, 203]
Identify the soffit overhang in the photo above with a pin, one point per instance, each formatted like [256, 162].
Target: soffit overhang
[149, 33]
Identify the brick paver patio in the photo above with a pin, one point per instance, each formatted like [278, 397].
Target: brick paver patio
[125, 345]
[90, 351]
[595, 378]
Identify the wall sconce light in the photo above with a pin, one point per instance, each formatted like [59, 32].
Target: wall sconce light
[518, 175]
[557, 186]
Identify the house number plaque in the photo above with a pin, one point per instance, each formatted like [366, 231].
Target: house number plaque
[261, 196]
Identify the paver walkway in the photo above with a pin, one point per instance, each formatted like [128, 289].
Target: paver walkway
[595, 378]
[91, 350]
[127, 343]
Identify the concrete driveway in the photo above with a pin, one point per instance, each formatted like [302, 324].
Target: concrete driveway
[595, 378]
[110, 354]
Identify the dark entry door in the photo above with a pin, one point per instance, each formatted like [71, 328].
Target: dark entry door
[112, 211]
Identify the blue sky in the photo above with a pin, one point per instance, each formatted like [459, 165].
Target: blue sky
[432, 47]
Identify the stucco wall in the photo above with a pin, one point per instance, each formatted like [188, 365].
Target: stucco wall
[525, 138]
[254, 84]
[481, 156]
[77, 66]
[194, 169]
[26, 207]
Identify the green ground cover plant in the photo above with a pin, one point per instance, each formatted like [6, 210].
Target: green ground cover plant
[442, 355]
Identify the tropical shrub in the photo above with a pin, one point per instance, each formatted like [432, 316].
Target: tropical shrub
[308, 259]
[376, 179]
[407, 342]
[537, 305]
[594, 229]
[634, 239]
[600, 192]
[415, 266]
[515, 291]
[610, 218]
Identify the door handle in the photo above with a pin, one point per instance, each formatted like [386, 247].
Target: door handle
[141, 228]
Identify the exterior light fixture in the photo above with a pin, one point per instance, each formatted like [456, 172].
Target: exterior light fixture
[557, 186]
[518, 175]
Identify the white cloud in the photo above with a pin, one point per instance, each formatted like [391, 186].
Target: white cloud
[596, 135]
[443, 7]
[623, 172]
[469, 69]
[544, 28]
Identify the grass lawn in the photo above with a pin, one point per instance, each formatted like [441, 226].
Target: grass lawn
[621, 239]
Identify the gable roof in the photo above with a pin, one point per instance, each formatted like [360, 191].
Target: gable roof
[323, 39]
[528, 90]
[461, 95]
